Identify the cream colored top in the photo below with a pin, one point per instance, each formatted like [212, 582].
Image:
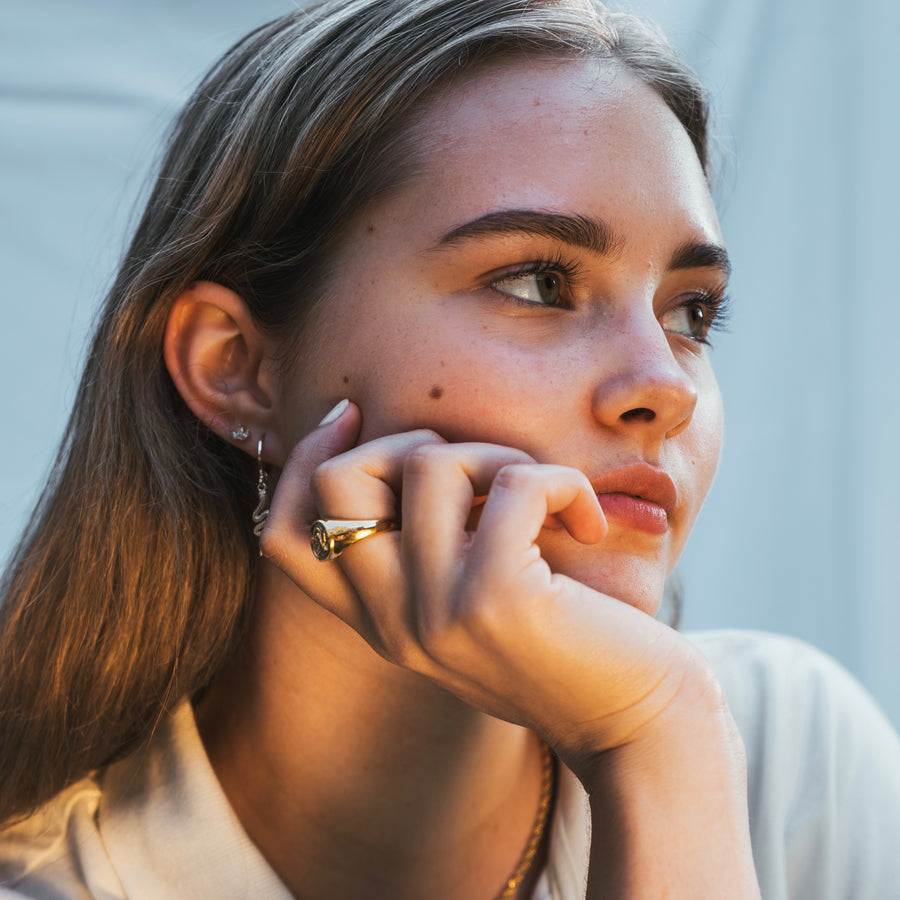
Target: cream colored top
[824, 781]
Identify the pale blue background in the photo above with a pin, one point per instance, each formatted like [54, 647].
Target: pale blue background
[801, 532]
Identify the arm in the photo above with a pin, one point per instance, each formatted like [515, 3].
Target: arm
[669, 810]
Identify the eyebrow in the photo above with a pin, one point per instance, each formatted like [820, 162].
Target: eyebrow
[593, 234]
[579, 231]
[700, 255]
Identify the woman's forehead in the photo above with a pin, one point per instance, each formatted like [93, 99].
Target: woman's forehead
[584, 137]
[486, 86]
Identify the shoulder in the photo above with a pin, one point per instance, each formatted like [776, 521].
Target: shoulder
[823, 768]
[55, 852]
[784, 692]
[156, 824]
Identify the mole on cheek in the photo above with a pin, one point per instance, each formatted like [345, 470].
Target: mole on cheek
[346, 379]
[436, 392]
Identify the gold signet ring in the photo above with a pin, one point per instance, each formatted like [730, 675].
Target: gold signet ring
[329, 538]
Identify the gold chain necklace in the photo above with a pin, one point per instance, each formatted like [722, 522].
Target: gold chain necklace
[540, 823]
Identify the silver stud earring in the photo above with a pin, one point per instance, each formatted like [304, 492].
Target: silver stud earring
[240, 433]
[262, 508]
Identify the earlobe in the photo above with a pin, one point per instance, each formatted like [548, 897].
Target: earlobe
[215, 356]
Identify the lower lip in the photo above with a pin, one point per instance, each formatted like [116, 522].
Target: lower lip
[634, 512]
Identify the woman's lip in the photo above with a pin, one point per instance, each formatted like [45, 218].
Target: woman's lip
[637, 495]
[634, 512]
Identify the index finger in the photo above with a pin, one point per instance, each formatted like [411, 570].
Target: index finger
[321, 444]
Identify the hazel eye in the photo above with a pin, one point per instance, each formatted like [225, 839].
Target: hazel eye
[690, 319]
[541, 288]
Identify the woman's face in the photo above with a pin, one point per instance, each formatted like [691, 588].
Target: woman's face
[544, 283]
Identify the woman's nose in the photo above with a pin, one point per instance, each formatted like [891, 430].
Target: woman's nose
[643, 389]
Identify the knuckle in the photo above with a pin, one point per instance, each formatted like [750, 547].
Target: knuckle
[514, 477]
[444, 639]
[425, 459]
[270, 546]
[325, 474]
[427, 436]
[436, 640]
[484, 623]
[484, 609]
[405, 654]
[400, 649]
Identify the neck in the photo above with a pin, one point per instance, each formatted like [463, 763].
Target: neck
[355, 777]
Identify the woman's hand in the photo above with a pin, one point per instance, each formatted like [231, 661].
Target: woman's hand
[627, 703]
[478, 610]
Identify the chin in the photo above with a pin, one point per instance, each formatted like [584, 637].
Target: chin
[630, 579]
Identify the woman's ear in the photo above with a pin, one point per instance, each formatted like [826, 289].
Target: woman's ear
[216, 357]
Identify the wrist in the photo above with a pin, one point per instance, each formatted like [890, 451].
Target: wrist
[669, 807]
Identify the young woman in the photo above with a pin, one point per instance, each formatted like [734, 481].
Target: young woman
[421, 298]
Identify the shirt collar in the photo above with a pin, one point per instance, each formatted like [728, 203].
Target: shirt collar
[171, 832]
[169, 828]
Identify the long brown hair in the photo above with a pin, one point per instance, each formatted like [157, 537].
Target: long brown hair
[132, 582]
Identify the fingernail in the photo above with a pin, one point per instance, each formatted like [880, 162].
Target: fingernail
[335, 413]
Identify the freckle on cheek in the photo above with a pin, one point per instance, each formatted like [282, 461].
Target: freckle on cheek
[436, 392]
[346, 379]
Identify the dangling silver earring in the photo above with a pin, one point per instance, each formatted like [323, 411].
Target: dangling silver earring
[240, 433]
[262, 508]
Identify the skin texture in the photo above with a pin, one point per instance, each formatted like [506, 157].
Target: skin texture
[414, 336]
[414, 769]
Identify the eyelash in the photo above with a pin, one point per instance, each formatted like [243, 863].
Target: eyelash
[568, 271]
[716, 303]
[716, 307]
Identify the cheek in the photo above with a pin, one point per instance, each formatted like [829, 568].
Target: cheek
[398, 372]
[701, 446]
[710, 432]
[445, 395]
[466, 390]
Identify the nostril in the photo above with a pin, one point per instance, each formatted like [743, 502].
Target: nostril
[639, 414]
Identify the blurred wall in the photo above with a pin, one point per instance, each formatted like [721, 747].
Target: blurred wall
[801, 532]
